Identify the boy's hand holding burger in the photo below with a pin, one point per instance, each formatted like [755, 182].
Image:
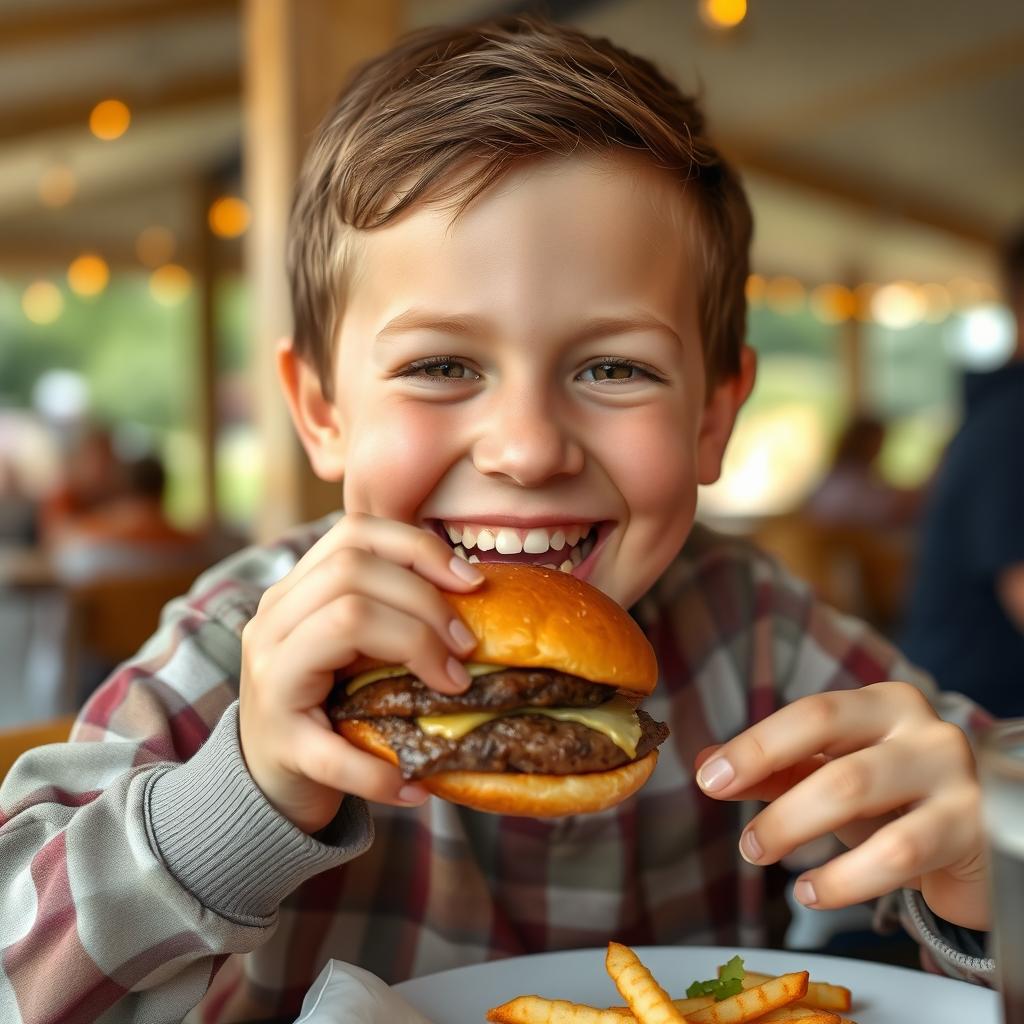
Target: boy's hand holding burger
[370, 586]
[358, 634]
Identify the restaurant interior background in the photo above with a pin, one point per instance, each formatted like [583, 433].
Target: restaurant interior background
[147, 150]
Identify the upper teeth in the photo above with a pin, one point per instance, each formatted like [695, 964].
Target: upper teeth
[510, 541]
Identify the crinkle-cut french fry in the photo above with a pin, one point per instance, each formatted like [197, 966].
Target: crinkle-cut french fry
[799, 1015]
[646, 998]
[754, 1002]
[820, 994]
[536, 1010]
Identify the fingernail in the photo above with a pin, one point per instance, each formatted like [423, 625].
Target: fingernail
[750, 847]
[465, 571]
[715, 774]
[804, 892]
[461, 634]
[457, 674]
[412, 794]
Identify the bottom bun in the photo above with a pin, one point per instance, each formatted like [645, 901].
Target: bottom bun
[518, 793]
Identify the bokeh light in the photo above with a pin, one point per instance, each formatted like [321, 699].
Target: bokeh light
[57, 186]
[833, 303]
[785, 295]
[755, 289]
[863, 295]
[155, 246]
[170, 284]
[109, 120]
[88, 275]
[898, 305]
[723, 13]
[42, 302]
[229, 216]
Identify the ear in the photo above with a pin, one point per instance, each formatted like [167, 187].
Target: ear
[724, 403]
[317, 420]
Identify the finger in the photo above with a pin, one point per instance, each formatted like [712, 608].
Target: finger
[925, 839]
[355, 571]
[400, 543]
[330, 760]
[832, 723]
[775, 785]
[350, 625]
[866, 783]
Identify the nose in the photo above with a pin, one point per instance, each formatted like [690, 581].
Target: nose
[524, 437]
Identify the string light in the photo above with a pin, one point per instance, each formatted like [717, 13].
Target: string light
[170, 284]
[784, 294]
[42, 302]
[109, 120]
[898, 305]
[833, 303]
[722, 14]
[229, 217]
[57, 186]
[88, 275]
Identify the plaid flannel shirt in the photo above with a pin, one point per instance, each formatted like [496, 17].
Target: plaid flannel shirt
[146, 879]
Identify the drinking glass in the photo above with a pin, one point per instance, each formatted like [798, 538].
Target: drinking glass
[1001, 767]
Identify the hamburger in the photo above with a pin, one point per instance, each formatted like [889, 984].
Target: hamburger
[550, 724]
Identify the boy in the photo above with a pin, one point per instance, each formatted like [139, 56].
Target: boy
[518, 268]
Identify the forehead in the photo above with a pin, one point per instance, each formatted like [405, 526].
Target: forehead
[552, 238]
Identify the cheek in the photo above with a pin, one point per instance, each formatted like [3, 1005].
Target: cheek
[400, 452]
[651, 459]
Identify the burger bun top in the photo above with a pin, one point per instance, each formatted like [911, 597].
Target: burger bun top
[531, 617]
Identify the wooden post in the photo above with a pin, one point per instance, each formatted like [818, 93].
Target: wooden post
[208, 270]
[852, 357]
[297, 57]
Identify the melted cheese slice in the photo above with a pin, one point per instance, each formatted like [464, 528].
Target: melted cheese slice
[391, 671]
[616, 719]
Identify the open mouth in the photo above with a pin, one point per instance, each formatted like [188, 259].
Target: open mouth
[565, 548]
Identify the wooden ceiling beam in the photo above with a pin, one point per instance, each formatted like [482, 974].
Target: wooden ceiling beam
[912, 82]
[30, 27]
[74, 111]
[879, 199]
[25, 257]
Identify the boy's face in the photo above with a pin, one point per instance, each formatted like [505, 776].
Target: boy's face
[535, 363]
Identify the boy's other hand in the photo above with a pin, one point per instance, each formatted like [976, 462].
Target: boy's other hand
[877, 767]
[368, 587]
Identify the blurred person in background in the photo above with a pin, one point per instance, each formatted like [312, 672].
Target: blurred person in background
[966, 615]
[92, 474]
[128, 532]
[853, 491]
[18, 526]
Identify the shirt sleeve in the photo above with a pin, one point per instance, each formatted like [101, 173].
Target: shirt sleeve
[139, 855]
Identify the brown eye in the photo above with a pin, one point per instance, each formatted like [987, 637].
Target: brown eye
[448, 370]
[612, 371]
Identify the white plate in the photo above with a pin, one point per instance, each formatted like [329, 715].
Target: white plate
[881, 994]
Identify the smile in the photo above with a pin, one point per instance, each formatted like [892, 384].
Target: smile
[565, 547]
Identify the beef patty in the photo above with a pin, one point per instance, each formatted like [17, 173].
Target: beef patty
[518, 743]
[407, 697]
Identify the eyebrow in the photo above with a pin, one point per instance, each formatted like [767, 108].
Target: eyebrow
[468, 325]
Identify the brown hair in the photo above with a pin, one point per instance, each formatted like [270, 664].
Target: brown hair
[447, 111]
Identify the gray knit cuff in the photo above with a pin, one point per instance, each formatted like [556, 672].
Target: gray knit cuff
[216, 833]
[958, 952]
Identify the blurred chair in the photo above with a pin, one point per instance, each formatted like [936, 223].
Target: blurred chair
[858, 569]
[14, 742]
[110, 617]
